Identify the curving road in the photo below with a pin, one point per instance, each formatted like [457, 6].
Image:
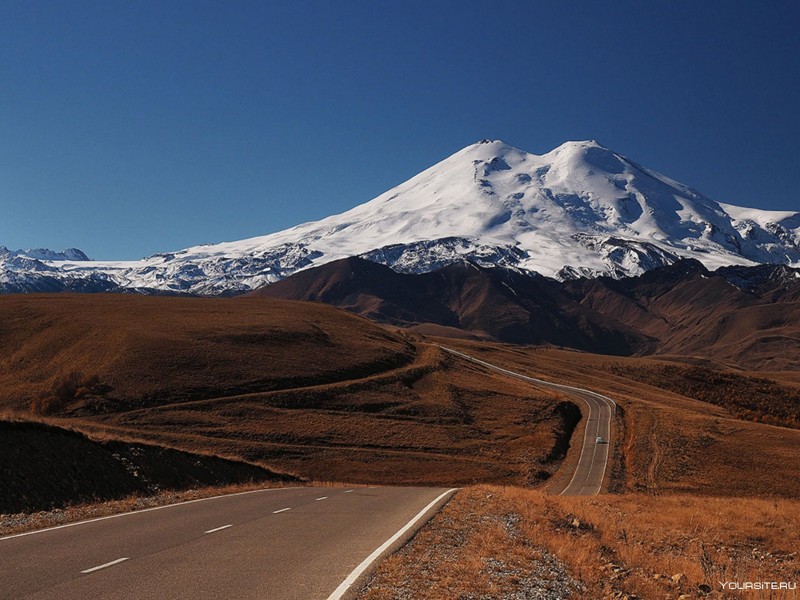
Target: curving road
[283, 544]
[588, 477]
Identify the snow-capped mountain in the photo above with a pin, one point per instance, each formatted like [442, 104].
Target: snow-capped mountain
[72, 254]
[579, 210]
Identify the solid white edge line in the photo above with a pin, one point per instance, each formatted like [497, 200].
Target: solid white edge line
[144, 510]
[108, 564]
[340, 591]
[275, 512]
[218, 529]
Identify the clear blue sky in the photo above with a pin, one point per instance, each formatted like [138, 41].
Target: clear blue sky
[128, 128]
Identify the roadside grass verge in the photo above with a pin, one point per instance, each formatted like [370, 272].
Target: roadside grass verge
[504, 542]
[11, 524]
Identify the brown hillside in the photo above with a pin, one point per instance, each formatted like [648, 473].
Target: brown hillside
[312, 390]
[143, 351]
[748, 316]
[43, 467]
[693, 312]
[435, 421]
[300, 387]
[501, 304]
[677, 436]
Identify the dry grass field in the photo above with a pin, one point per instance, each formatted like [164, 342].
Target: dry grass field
[144, 351]
[707, 495]
[308, 389]
[668, 442]
[705, 460]
[504, 542]
[298, 387]
[431, 421]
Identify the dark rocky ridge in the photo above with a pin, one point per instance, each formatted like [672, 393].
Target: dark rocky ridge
[748, 316]
[44, 467]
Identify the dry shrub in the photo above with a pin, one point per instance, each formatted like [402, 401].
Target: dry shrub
[65, 389]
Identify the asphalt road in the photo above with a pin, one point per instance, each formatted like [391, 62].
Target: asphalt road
[289, 543]
[588, 477]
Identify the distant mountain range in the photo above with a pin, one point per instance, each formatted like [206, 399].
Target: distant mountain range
[746, 316]
[580, 210]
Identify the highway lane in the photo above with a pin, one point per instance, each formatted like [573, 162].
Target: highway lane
[287, 543]
[587, 479]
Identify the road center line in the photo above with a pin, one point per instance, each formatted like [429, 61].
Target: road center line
[323, 498]
[144, 510]
[275, 512]
[218, 529]
[348, 491]
[108, 564]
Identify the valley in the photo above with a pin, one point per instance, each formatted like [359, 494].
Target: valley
[307, 394]
[317, 393]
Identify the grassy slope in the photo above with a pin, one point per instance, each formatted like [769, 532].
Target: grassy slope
[150, 350]
[707, 497]
[312, 390]
[300, 387]
[430, 422]
[670, 443]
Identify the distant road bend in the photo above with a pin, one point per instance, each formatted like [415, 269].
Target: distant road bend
[300, 543]
[588, 477]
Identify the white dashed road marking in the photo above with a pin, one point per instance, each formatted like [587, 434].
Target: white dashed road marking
[108, 564]
[218, 529]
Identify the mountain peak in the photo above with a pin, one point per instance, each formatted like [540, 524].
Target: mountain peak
[585, 150]
[581, 148]
[569, 144]
[489, 147]
[580, 210]
[581, 144]
[69, 254]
